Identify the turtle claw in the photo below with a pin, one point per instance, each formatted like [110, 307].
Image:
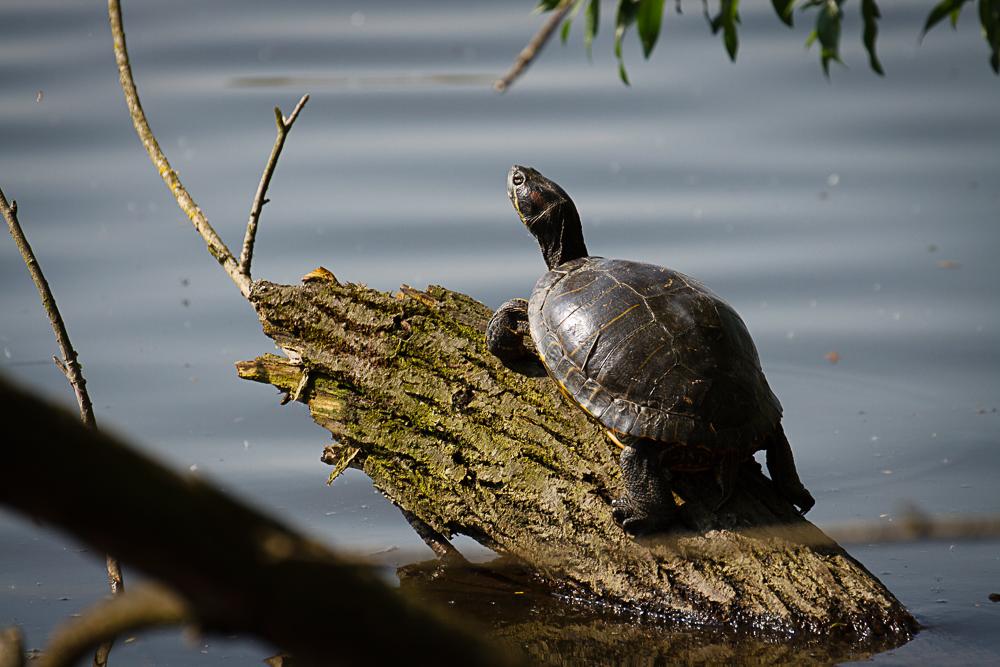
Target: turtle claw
[805, 503]
[633, 521]
[802, 500]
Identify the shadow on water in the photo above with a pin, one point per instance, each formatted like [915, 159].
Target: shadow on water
[554, 628]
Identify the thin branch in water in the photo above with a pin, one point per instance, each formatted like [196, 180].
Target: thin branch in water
[148, 606]
[284, 126]
[69, 365]
[437, 542]
[216, 247]
[533, 48]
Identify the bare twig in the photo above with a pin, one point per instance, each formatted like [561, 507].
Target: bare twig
[215, 244]
[147, 606]
[534, 47]
[239, 271]
[69, 365]
[284, 126]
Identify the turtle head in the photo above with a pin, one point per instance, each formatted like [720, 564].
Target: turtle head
[548, 213]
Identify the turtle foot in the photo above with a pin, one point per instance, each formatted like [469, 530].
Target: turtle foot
[798, 496]
[802, 499]
[636, 522]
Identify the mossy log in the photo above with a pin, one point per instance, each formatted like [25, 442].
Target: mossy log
[412, 397]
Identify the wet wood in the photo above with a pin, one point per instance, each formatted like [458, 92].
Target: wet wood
[468, 446]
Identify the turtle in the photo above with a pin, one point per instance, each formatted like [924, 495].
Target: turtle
[663, 364]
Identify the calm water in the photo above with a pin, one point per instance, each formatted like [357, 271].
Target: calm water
[823, 211]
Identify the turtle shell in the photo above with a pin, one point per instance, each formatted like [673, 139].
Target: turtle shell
[652, 353]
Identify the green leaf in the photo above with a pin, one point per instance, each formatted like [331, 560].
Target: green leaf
[564, 33]
[627, 10]
[729, 21]
[828, 33]
[784, 10]
[547, 5]
[726, 20]
[870, 14]
[623, 74]
[649, 19]
[592, 20]
[811, 39]
[942, 9]
[989, 18]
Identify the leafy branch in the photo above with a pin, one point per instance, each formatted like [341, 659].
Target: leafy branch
[648, 16]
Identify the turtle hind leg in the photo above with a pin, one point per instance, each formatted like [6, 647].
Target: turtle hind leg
[648, 504]
[781, 466]
[726, 474]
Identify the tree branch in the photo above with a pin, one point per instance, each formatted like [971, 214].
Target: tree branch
[216, 247]
[147, 606]
[69, 365]
[533, 48]
[437, 542]
[284, 126]
[239, 272]
[238, 570]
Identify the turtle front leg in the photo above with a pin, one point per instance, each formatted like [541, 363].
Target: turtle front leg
[507, 331]
[648, 504]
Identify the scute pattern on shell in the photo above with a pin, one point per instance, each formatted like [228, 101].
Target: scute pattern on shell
[652, 353]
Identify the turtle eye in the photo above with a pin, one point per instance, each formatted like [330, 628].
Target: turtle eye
[517, 178]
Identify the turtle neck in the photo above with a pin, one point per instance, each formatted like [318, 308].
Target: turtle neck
[565, 243]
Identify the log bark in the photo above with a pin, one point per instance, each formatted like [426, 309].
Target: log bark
[405, 385]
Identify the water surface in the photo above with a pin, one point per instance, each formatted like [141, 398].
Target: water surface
[824, 211]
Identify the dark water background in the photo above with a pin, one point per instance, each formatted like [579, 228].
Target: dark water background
[823, 211]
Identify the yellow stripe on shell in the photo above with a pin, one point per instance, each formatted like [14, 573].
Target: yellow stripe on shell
[565, 392]
[614, 439]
